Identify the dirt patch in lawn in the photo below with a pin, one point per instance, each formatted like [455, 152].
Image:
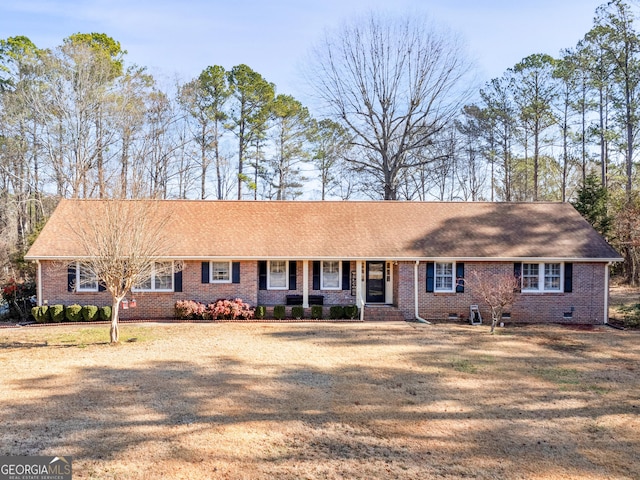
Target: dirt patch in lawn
[325, 401]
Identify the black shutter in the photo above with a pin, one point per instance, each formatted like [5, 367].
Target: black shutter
[430, 276]
[177, 281]
[101, 287]
[346, 275]
[262, 275]
[71, 278]
[235, 272]
[292, 274]
[205, 272]
[517, 272]
[316, 275]
[568, 277]
[459, 277]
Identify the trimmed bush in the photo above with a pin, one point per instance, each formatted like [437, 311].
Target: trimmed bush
[229, 310]
[190, 309]
[278, 312]
[316, 312]
[336, 312]
[261, 311]
[57, 313]
[351, 311]
[73, 313]
[41, 314]
[90, 313]
[297, 312]
[104, 313]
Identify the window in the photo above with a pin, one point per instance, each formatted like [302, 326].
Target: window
[160, 280]
[542, 277]
[86, 280]
[530, 276]
[220, 272]
[278, 275]
[552, 277]
[331, 275]
[444, 277]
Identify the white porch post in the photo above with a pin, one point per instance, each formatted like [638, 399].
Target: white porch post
[305, 284]
[359, 280]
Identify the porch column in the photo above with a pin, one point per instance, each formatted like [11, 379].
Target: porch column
[305, 284]
[359, 283]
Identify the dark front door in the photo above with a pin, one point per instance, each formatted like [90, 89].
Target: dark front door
[375, 282]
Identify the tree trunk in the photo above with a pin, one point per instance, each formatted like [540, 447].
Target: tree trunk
[114, 332]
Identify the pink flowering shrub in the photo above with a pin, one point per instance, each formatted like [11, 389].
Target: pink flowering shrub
[220, 310]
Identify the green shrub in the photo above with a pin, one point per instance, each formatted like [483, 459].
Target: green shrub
[261, 311]
[104, 313]
[336, 312]
[41, 314]
[316, 312]
[73, 313]
[351, 311]
[297, 312]
[57, 313]
[90, 313]
[631, 315]
[278, 312]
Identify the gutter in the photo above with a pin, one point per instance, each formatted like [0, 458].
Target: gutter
[415, 294]
[606, 293]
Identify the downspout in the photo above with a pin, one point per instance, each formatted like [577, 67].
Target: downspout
[415, 294]
[39, 283]
[606, 293]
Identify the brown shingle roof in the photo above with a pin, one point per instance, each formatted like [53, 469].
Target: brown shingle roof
[354, 230]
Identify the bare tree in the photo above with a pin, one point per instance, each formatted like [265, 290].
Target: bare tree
[497, 290]
[395, 82]
[124, 242]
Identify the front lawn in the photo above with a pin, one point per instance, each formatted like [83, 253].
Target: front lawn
[372, 400]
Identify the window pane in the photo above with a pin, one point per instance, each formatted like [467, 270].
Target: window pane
[220, 271]
[444, 276]
[163, 276]
[278, 274]
[331, 274]
[86, 278]
[530, 276]
[145, 285]
[552, 276]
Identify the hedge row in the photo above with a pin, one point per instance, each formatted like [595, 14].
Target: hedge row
[72, 313]
[336, 312]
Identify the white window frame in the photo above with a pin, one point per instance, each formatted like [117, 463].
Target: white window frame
[286, 275]
[322, 284]
[79, 287]
[542, 275]
[229, 273]
[453, 277]
[153, 280]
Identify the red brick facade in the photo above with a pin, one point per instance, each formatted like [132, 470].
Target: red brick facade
[584, 305]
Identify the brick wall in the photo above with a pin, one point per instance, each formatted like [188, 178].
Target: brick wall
[331, 297]
[586, 301]
[587, 298]
[153, 304]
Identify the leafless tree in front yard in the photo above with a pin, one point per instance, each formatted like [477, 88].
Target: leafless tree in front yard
[497, 290]
[395, 82]
[123, 241]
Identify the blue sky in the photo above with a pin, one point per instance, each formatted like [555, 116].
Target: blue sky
[181, 38]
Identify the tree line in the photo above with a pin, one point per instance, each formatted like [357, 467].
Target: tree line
[398, 121]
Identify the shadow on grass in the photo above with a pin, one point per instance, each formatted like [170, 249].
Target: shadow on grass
[424, 410]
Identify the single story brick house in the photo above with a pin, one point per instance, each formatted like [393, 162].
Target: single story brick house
[407, 259]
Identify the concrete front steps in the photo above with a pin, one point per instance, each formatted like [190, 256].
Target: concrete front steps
[382, 313]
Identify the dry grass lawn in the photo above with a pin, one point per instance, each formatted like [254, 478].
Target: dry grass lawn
[325, 401]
